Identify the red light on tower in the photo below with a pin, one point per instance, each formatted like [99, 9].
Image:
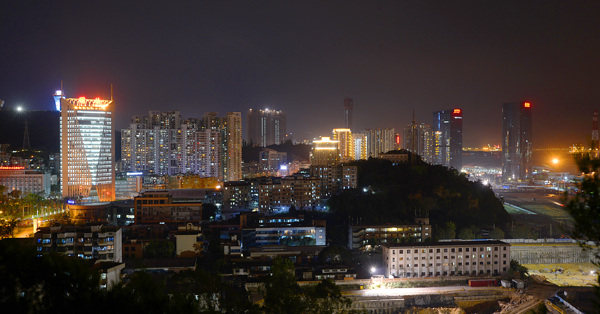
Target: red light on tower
[527, 105]
[397, 138]
[457, 111]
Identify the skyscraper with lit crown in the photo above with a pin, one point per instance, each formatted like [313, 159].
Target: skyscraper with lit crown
[447, 143]
[346, 146]
[87, 148]
[266, 127]
[516, 141]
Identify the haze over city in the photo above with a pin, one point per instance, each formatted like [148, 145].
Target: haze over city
[305, 57]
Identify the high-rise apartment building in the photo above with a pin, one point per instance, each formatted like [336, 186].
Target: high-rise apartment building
[346, 144]
[447, 142]
[87, 148]
[418, 139]
[233, 140]
[360, 146]
[379, 141]
[266, 127]
[325, 152]
[164, 144]
[348, 107]
[516, 141]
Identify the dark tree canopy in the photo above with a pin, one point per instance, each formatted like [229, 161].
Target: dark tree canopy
[399, 193]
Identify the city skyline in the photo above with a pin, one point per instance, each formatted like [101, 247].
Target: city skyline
[393, 58]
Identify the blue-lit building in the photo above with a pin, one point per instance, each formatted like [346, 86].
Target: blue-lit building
[447, 138]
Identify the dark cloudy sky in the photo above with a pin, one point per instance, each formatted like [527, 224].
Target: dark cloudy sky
[305, 56]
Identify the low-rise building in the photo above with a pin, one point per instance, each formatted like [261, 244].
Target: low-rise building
[160, 207]
[371, 237]
[453, 258]
[110, 273]
[26, 181]
[87, 242]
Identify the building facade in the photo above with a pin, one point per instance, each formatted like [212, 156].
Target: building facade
[164, 144]
[88, 242]
[371, 237]
[87, 148]
[346, 144]
[379, 141]
[160, 207]
[447, 140]
[455, 258]
[516, 141]
[325, 152]
[418, 139]
[26, 181]
[266, 127]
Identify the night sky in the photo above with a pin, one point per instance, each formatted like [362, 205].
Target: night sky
[305, 56]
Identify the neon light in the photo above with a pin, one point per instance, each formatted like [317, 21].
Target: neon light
[135, 173]
[457, 111]
[527, 104]
[12, 168]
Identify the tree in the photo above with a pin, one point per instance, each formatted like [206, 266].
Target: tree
[497, 234]
[209, 211]
[448, 231]
[283, 294]
[7, 227]
[466, 234]
[335, 254]
[522, 232]
[584, 207]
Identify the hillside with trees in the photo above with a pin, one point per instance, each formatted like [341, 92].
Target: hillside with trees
[391, 194]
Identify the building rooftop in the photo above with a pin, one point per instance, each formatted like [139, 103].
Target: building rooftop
[445, 243]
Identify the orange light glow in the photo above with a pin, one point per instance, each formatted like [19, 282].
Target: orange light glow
[12, 168]
[457, 111]
[527, 105]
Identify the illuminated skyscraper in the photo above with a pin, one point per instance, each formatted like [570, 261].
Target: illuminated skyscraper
[346, 146]
[233, 142]
[418, 138]
[447, 125]
[516, 141]
[87, 149]
[325, 152]
[360, 146]
[266, 127]
[348, 106]
[379, 141]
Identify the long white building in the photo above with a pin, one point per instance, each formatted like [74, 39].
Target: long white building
[87, 148]
[455, 258]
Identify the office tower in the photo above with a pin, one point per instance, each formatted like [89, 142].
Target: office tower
[348, 106]
[516, 141]
[233, 142]
[447, 128]
[87, 148]
[266, 127]
[379, 141]
[325, 152]
[360, 146]
[418, 139]
[346, 146]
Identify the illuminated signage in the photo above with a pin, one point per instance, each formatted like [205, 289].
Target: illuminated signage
[135, 173]
[527, 105]
[12, 168]
[457, 111]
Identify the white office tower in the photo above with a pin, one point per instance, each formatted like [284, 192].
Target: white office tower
[87, 149]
